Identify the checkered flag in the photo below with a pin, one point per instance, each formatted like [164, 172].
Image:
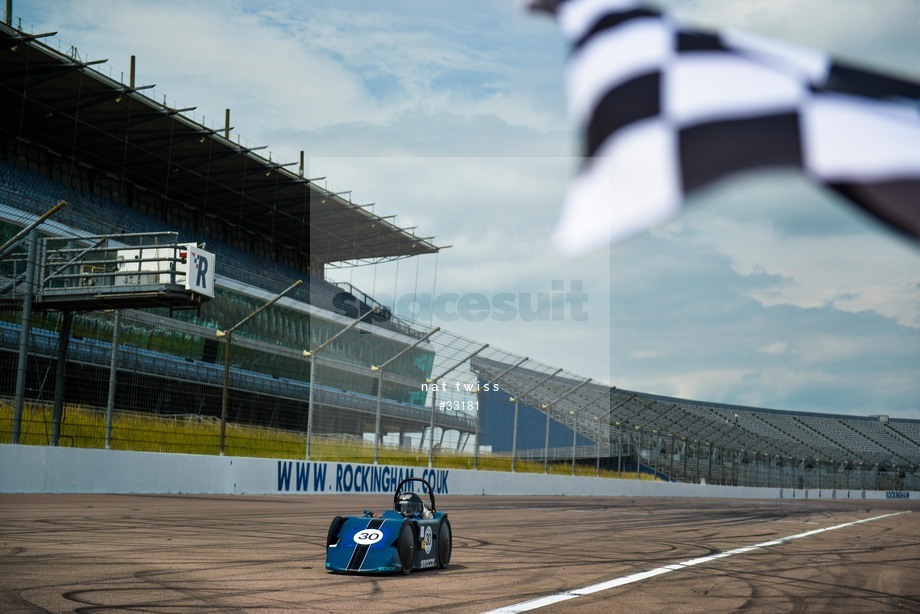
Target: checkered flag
[667, 110]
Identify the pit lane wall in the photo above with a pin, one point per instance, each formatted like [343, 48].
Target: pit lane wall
[39, 469]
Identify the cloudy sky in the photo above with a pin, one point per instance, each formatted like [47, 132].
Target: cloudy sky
[451, 115]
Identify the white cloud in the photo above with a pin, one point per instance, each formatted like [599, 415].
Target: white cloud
[870, 270]
[777, 348]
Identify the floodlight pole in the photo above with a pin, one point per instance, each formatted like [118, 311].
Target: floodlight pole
[514, 436]
[22, 234]
[25, 334]
[574, 438]
[229, 336]
[60, 380]
[546, 408]
[311, 354]
[113, 365]
[580, 409]
[379, 370]
[597, 469]
[434, 398]
[638, 450]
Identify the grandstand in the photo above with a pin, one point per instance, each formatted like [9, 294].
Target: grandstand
[127, 164]
[692, 441]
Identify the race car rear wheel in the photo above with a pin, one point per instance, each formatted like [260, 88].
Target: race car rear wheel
[445, 546]
[405, 546]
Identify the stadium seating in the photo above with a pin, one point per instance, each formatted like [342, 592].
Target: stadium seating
[651, 422]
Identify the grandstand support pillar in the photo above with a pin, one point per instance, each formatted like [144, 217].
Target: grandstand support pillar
[421, 443]
[818, 474]
[379, 370]
[476, 440]
[377, 415]
[756, 479]
[434, 396]
[638, 450]
[25, 335]
[597, 447]
[434, 405]
[575, 440]
[514, 437]
[606, 416]
[225, 391]
[546, 407]
[686, 450]
[696, 453]
[709, 471]
[671, 458]
[311, 354]
[514, 434]
[110, 406]
[60, 373]
[229, 336]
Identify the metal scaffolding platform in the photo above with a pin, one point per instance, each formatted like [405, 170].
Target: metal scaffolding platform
[110, 272]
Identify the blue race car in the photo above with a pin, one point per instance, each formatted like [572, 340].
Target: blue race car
[413, 535]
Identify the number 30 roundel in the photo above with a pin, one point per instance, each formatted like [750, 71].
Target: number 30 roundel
[368, 537]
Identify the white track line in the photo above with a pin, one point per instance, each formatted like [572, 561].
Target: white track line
[541, 602]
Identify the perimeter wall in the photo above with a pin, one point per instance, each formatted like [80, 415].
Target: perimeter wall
[43, 469]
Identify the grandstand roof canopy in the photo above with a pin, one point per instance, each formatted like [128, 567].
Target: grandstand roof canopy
[54, 100]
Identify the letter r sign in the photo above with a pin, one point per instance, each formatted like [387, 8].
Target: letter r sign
[200, 276]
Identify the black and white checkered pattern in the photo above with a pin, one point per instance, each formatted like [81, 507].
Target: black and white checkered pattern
[667, 110]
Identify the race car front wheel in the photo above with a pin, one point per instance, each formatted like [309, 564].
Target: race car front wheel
[332, 537]
[405, 546]
[445, 547]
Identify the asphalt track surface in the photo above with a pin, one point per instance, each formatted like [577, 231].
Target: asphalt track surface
[133, 553]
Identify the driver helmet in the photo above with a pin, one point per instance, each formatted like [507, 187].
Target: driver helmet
[410, 504]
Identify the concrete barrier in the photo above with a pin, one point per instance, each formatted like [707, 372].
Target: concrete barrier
[40, 469]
